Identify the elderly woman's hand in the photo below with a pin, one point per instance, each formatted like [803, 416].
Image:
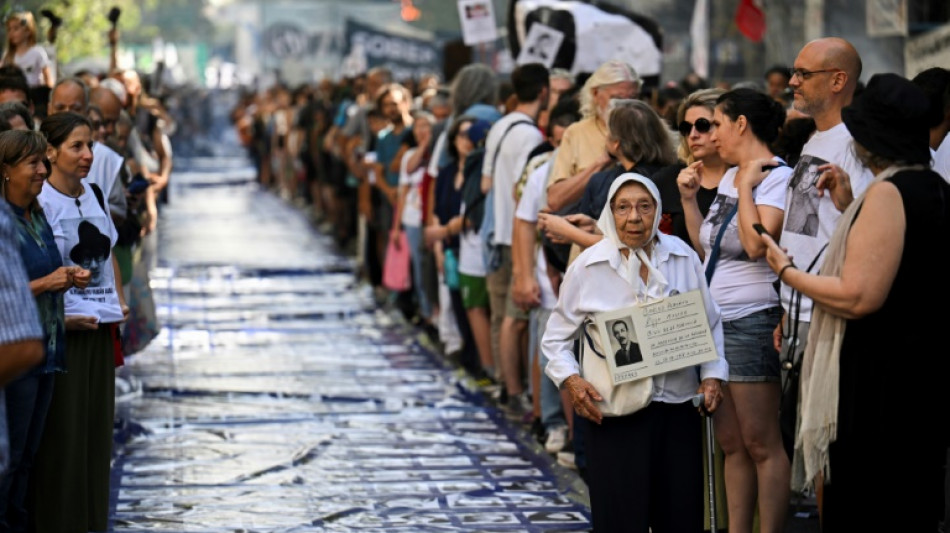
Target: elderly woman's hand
[711, 388]
[583, 396]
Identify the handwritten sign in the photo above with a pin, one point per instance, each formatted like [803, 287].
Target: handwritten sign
[666, 335]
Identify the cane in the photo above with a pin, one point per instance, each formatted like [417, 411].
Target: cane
[700, 401]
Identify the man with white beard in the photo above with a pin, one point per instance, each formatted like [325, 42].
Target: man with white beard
[583, 149]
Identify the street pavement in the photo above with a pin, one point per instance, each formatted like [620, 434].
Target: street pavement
[279, 398]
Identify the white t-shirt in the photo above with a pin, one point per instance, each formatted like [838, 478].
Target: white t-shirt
[31, 63]
[512, 156]
[104, 172]
[740, 285]
[412, 210]
[533, 198]
[941, 162]
[85, 236]
[810, 219]
[471, 252]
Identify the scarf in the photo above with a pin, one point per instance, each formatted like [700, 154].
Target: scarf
[818, 407]
[656, 284]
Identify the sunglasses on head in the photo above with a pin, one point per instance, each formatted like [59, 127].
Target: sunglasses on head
[702, 125]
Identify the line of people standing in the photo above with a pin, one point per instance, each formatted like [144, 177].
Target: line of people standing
[522, 188]
[81, 195]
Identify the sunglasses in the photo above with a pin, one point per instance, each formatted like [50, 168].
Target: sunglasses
[702, 125]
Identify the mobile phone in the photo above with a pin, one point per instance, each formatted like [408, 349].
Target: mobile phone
[760, 229]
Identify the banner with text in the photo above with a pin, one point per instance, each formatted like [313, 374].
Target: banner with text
[404, 56]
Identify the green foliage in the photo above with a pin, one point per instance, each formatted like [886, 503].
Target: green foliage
[85, 28]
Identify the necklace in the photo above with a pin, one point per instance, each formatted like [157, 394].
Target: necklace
[74, 197]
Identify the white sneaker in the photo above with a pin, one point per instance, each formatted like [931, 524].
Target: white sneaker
[566, 459]
[556, 439]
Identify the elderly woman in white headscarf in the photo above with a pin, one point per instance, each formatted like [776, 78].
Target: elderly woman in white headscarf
[644, 469]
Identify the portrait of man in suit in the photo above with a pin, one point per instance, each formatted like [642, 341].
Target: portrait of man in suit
[628, 352]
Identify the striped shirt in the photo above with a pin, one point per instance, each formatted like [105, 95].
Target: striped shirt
[19, 319]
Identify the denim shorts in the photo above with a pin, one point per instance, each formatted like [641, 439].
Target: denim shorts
[750, 350]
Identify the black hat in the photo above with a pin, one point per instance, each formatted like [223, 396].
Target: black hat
[890, 120]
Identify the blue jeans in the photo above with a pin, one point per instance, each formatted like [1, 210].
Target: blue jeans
[27, 402]
[414, 236]
[552, 412]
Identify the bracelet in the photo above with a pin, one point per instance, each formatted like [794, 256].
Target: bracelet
[782, 271]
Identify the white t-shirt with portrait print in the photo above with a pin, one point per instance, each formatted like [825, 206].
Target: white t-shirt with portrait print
[85, 236]
[741, 285]
[809, 218]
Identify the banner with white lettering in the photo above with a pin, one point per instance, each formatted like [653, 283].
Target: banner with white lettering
[404, 56]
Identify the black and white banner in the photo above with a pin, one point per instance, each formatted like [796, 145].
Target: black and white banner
[406, 57]
[592, 33]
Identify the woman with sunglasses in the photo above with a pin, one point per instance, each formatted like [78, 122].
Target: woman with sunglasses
[757, 472]
[698, 158]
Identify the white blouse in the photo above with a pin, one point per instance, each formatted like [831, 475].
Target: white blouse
[594, 283]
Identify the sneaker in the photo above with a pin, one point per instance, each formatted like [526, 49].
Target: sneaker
[556, 440]
[565, 457]
[518, 406]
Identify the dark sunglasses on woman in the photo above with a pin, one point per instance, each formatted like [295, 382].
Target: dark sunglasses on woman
[702, 125]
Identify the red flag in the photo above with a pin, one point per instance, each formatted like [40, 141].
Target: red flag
[751, 20]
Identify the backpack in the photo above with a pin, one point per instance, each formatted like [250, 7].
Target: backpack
[471, 192]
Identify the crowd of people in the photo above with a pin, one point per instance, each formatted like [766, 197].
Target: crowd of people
[533, 201]
[85, 160]
[802, 208]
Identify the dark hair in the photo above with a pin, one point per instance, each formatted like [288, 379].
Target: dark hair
[563, 114]
[795, 133]
[765, 114]
[454, 132]
[12, 109]
[57, 127]
[12, 79]
[529, 80]
[779, 69]
[935, 83]
[669, 94]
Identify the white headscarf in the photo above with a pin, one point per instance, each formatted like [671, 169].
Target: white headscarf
[656, 284]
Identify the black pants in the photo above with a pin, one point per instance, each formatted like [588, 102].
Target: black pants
[645, 471]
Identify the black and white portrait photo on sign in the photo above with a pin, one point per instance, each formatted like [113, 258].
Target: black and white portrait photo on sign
[625, 348]
[651, 338]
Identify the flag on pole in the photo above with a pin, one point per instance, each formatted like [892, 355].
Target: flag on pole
[751, 20]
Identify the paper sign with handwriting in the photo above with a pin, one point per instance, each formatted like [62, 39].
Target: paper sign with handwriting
[657, 337]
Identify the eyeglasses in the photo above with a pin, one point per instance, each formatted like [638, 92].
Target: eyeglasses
[803, 74]
[623, 208]
[702, 125]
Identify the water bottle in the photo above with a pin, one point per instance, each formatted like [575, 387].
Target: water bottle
[451, 269]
